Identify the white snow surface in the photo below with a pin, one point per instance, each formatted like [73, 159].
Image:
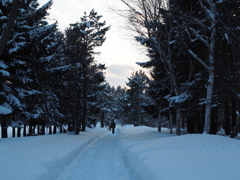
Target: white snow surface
[4, 110]
[132, 153]
[4, 73]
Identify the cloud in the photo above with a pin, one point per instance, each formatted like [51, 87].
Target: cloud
[117, 74]
[116, 81]
[121, 69]
[76, 4]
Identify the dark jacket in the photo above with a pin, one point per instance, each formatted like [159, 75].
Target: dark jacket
[113, 125]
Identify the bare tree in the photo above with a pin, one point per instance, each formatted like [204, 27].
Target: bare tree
[147, 19]
[210, 8]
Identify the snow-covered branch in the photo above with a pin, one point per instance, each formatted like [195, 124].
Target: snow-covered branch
[198, 59]
[200, 37]
[203, 6]
[197, 36]
[219, 2]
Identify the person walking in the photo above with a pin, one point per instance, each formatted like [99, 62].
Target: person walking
[113, 126]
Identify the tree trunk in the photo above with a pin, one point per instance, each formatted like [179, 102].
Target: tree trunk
[10, 24]
[61, 129]
[171, 122]
[54, 129]
[159, 121]
[236, 130]
[190, 124]
[39, 131]
[213, 123]
[102, 120]
[13, 132]
[138, 115]
[4, 128]
[234, 117]
[19, 132]
[43, 128]
[178, 122]
[199, 115]
[227, 118]
[182, 122]
[24, 130]
[50, 129]
[30, 130]
[209, 103]
[84, 116]
[34, 129]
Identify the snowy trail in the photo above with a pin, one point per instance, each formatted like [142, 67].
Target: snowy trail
[102, 159]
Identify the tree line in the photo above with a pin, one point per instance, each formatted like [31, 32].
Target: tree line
[193, 51]
[48, 78]
[51, 79]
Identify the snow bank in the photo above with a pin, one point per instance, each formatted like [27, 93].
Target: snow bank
[187, 157]
[42, 157]
[149, 155]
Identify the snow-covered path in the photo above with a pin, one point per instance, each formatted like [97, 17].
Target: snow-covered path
[102, 159]
[98, 154]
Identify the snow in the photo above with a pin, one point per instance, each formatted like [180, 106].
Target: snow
[25, 79]
[102, 157]
[130, 153]
[83, 32]
[16, 47]
[178, 99]
[33, 92]
[141, 39]
[4, 73]
[41, 157]
[14, 100]
[38, 113]
[59, 68]
[4, 2]
[88, 24]
[47, 59]
[4, 110]
[3, 65]
[3, 17]
[185, 157]
[172, 42]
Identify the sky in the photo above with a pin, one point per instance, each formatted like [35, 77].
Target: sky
[119, 52]
[129, 154]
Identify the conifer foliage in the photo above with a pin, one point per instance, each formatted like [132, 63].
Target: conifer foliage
[82, 37]
[137, 98]
[48, 79]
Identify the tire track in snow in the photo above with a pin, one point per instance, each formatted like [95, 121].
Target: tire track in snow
[100, 160]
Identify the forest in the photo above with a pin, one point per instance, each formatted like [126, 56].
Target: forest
[51, 79]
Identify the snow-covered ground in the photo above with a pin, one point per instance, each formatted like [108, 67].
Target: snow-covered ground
[132, 153]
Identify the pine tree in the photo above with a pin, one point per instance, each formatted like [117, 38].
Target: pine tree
[227, 66]
[107, 104]
[31, 43]
[136, 96]
[38, 53]
[10, 104]
[82, 38]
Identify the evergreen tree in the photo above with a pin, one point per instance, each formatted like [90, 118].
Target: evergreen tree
[82, 38]
[137, 97]
[107, 104]
[28, 53]
[227, 66]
